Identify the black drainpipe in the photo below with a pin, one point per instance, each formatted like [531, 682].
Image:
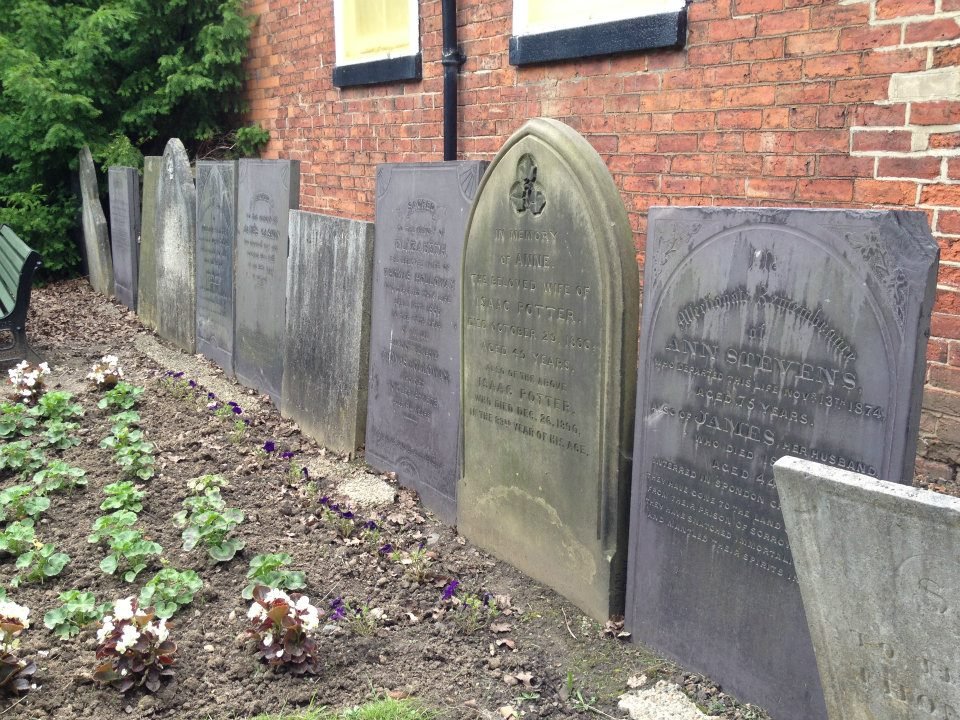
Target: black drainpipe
[452, 60]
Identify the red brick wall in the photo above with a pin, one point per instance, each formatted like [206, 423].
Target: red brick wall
[771, 102]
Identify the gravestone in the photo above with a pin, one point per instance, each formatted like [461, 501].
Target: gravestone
[328, 328]
[879, 571]
[96, 239]
[176, 249]
[124, 184]
[268, 190]
[216, 237]
[549, 354]
[413, 414]
[766, 332]
[147, 271]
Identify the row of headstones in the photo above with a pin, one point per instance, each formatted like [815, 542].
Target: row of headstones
[210, 274]
[765, 333]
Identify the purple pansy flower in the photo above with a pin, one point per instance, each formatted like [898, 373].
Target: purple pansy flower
[450, 589]
[269, 446]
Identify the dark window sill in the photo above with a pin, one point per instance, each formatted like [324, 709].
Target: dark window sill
[377, 72]
[667, 30]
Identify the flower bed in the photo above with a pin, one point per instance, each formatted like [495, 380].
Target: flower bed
[189, 554]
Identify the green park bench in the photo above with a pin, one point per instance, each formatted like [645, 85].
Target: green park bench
[17, 266]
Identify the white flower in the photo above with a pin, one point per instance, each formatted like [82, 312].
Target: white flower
[128, 637]
[303, 602]
[123, 609]
[268, 641]
[106, 630]
[280, 652]
[44, 368]
[18, 613]
[276, 594]
[257, 612]
[162, 632]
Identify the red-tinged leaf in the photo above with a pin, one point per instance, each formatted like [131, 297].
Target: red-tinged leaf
[167, 647]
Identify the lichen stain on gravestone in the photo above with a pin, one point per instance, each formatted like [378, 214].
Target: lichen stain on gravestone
[766, 332]
[549, 322]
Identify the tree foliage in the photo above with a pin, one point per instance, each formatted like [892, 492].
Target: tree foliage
[121, 76]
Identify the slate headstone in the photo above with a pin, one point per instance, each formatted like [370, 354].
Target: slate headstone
[766, 332]
[124, 185]
[879, 571]
[216, 237]
[328, 328]
[413, 414]
[176, 249]
[96, 238]
[268, 190]
[550, 306]
[147, 271]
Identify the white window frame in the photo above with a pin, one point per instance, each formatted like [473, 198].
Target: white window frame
[413, 36]
[649, 7]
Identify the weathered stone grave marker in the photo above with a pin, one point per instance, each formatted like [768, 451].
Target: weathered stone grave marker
[176, 249]
[96, 239]
[268, 190]
[765, 333]
[147, 270]
[216, 237]
[549, 354]
[413, 416]
[879, 571]
[124, 185]
[328, 328]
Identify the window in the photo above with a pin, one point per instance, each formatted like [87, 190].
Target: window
[547, 30]
[377, 41]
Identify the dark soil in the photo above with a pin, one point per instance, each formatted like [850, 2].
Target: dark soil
[546, 658]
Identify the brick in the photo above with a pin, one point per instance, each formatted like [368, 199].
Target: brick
[789, 21]
[941, 112]
[831, 191]
[884, 192]
[938, 350]
[680, 185]
[756, 50]
[717, 54]
[813, 43]
[739, 119]
[868, 38]
[803, 117]
[769, 142]
[788, 166]
[777, 71]
[771, 188]
[724, 187]
[923, 168]
[721, 142]
[947, 301]
[686, 142]
[832, 116]
[650, 163]
[880, 115]
[822, 141]
[882, 140]
[845, 166]
[888, 9]
[832, 66]
[801, 93]
[953, 168]
[720, 30]
[692, 164]
[932, 31]
[638, 143]
[944, 376]
[727, 75]
[776, 118]
[945, 326]
[708, 10]
[731, 164]
[945, 141]
[885, 62]
[693, 121]
[641, 184]
[948, 221]
[860, 90]
[747, 7]
[840, 15]
[946, 56]
[751, 96]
